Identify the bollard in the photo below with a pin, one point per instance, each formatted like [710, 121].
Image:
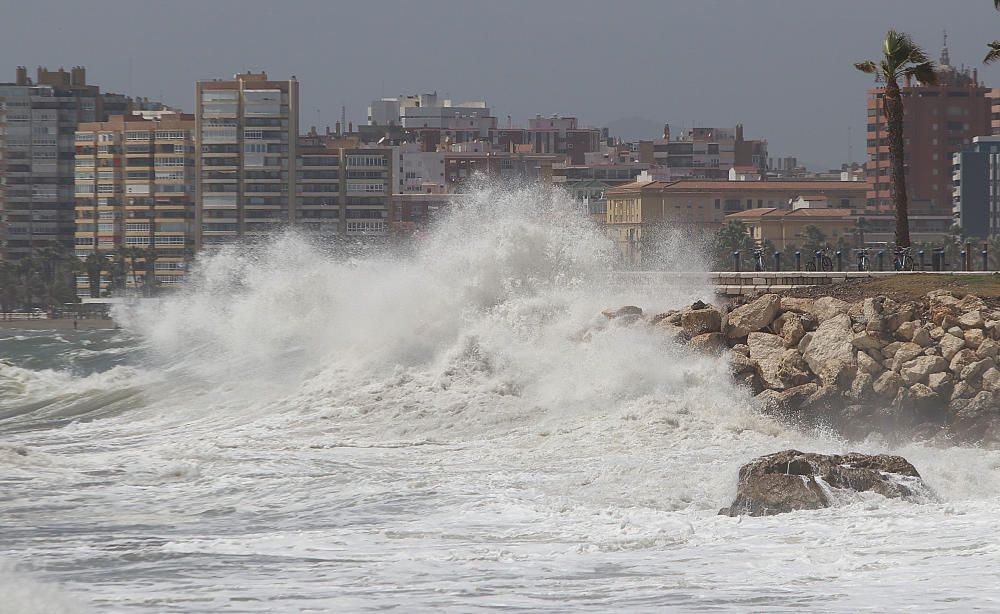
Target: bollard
[941, 263]
[798, 261]
[881, 260]
[965, 260]
[777, 261]
[921, 254]
[816, 260]
[986, 260]
[736, 261]
[840, 261]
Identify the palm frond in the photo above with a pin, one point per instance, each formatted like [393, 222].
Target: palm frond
[924, 73]
[994, 53]
[996, 4]
[868, 66]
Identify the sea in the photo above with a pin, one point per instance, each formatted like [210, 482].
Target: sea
[452, 427]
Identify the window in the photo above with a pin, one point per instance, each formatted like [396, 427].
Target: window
[170, 240]
[171, 134]
[143, 241]
[137, 135]
[170, 161]
[168, 175]
[366, 161]
[255, 135]
[84, 137]
[370, 188]
[106, 189]
[105, 228]
[255, 147]
[137, 175]
[137, 227]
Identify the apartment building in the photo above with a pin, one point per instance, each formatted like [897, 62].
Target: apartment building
[246, 130]
[976, 187]
[343, 190]
[940, 120]
[703, 153]
[38, 120]
[134, 184]
[423, 111]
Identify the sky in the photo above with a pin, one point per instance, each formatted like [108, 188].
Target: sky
[782, 68]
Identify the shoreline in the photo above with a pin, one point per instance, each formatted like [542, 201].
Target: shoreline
[61, 324]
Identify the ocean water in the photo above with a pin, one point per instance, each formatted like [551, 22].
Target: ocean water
[302, 431]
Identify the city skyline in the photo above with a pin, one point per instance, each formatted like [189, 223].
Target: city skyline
[600, 65]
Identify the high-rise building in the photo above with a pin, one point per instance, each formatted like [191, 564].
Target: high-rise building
[976, 187]
[38, 120]
[135, 189]
[246, 135]
[343, 190]
[939, 121]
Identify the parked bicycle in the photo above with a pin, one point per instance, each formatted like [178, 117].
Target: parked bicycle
[820, 262]
[758, 260]
[864, 260]
[902, 259]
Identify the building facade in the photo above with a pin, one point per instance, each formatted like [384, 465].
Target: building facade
[246, 134]
[976, 187]
[939, 120]
[783, 228]
[134, 185]
[703, 153]
[38, 121]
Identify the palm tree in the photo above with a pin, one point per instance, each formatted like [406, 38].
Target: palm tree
[8, 286]
[901, 57]
[994, 53]
[149, 257]
[94, 265]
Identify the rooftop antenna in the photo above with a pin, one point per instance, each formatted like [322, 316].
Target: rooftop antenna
[343, 117]
[850, 147]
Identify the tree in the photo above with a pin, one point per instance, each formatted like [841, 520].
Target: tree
[815, 240]
[994, 53]
[733, 237]
[149, 257]
[901, 58]
[94, 265]
[8, 286]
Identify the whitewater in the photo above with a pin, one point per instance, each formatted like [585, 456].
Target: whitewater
[454, 428]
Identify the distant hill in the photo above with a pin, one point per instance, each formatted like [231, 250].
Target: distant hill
[635, 128]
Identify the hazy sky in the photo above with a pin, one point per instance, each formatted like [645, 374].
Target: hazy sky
[781, 67]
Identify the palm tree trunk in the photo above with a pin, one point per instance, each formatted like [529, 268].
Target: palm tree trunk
[893, 105]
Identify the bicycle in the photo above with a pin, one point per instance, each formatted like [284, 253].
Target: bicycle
[864, 261]
[758, 260]
[820, 262]
[902, 260]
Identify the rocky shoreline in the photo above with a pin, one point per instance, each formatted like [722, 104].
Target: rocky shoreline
[927, 368]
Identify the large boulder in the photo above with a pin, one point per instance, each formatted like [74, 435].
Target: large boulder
[917, 370]
[753, 316]
[827, 307]
[828, 350]
[700, 321]
[793, 480]
[709, 343]
[779, 368]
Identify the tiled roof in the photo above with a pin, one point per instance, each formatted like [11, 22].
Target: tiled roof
[778, 213]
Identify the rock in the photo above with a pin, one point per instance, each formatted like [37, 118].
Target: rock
[657, 318]
[936, 333]
[919, 368]
[906, 330]
[922, 337]
[950, 345]
[779, 368]
[827, 307]
[861, 388]
[887, 384]
[962, 390]
[897, 316]
[741, 348]
[792, 480]
[790, 400]
[940, 382]
[825, 399]
[974, 337]
[671, 331]
[962, 359]
[971, 302]
[889, 350]
[792, 331]
[829, 353]
[709, 343]
[904, 354]
[943, 305]
[751, 381]
[868, 364]
[973, 416]
[753, 316]
[991, 380]
[988, 349]
[797, 305]
[922, 398]
[866, 341]
[972, 319]
[974, 370]
[627, 310]
[700, 321]
[957, 331]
